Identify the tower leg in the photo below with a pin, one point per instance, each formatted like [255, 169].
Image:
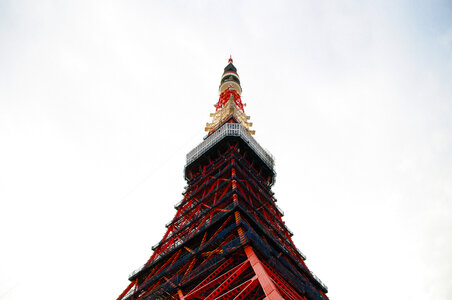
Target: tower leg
[270, 290]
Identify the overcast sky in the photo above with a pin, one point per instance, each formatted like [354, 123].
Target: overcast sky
[101, 100]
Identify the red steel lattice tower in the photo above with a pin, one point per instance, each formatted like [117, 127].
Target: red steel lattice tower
[227, 239]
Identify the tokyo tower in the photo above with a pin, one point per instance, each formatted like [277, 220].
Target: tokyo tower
[227, 239]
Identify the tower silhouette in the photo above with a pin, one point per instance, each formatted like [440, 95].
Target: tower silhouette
[227, 239]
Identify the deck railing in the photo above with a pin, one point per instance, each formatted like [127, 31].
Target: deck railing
[230, 129]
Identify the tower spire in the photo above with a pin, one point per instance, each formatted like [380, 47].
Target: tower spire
[229, 106]
[230, 77]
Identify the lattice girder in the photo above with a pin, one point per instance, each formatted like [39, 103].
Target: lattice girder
[205, 233]
[227, 239]
[192, 212]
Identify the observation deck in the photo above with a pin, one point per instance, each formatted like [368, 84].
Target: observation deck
[227, 131]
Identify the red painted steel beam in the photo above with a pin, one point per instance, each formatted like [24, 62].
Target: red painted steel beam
[129, 287]
[229, 280]
[270, 290]
[231, 294]
[218, 280]
[250, 287]
[212, 275]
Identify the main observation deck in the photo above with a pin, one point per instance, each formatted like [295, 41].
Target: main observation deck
[229, 130]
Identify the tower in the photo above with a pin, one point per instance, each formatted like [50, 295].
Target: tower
[227, 239]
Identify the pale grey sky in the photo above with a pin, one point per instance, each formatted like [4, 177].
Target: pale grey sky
[101, 100]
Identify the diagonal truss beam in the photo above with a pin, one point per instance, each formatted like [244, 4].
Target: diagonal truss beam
[270, 290]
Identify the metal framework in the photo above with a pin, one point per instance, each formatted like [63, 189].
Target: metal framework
[229, 105]
[227, 239]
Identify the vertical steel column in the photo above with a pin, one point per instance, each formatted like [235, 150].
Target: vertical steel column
[265, 281]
